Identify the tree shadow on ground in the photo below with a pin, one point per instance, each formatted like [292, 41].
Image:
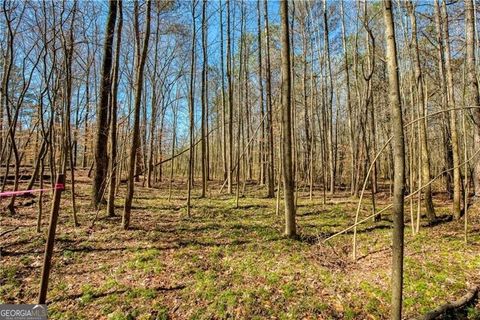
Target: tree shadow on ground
[312, 213]
[314, 239]
[176, 245]
[25, 241]
[104, 294]
[252, 206]
[323, 225]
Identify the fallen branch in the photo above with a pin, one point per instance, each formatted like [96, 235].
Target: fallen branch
[8, 231]
[450, 306]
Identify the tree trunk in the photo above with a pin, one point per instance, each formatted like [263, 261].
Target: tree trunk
[448, 154]
[230, 103]
[399, 163]
[261, 144]
[240, 102]
[204, 101]
[473, 94]
[270, 156]
[224, 103]
[140, 62]
[154, 106]
[453, 117]
[191, 106]
[288, 183]
[425, 156]
[101, 160]
[306, 116]
[329, 88]
[68, 151]
[113, 117]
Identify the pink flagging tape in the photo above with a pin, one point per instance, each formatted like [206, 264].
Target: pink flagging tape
[58, 186]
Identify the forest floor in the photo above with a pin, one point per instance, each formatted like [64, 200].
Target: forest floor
[228, 262]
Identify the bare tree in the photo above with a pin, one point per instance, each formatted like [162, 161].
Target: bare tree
[68, 47]
[288, 181]
[399, 162]
[224, 103]
[113, 116]
[101, 160]
[154, 105]
[473, 93]
[419, 81]
[348, 101]
[191, 107]
[453, 115]
[230, 103]
[261, 144]
[270, 156]
[204, 100]
[141, 57]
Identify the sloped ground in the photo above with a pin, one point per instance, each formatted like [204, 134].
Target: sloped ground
[227, 262]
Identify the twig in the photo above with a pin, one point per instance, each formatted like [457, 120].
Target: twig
[8, 231]
[406, 198]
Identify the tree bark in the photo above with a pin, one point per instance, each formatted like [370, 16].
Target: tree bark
[329, 88]
[230, 103]
[101, 160]
[270, 162]
[113, 117]
[191, 106]
[154, 107]
[453, 116]
[425, 155]
[140, 62]
[288, 182]
[224, 103]
[399, 163]
[448, 154]
[473, 93]
[204, 162]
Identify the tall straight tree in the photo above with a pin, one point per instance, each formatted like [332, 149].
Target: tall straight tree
[191, 107]
[101, 159]
[421, 108]
[140, 57]
[113, 116]
[230, 103]
[204, 100]
[68, 47]
[288, 182]
[240, 99]
[399, 162]
[329, 100]
[154, 105]
[260, 97]
[453, 114]
[351, 129]
[268, 75]
[448, 153]
[224, 103]
[303, 14]
[473, 95]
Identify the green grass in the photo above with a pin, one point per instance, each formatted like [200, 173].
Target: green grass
[227, 262]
